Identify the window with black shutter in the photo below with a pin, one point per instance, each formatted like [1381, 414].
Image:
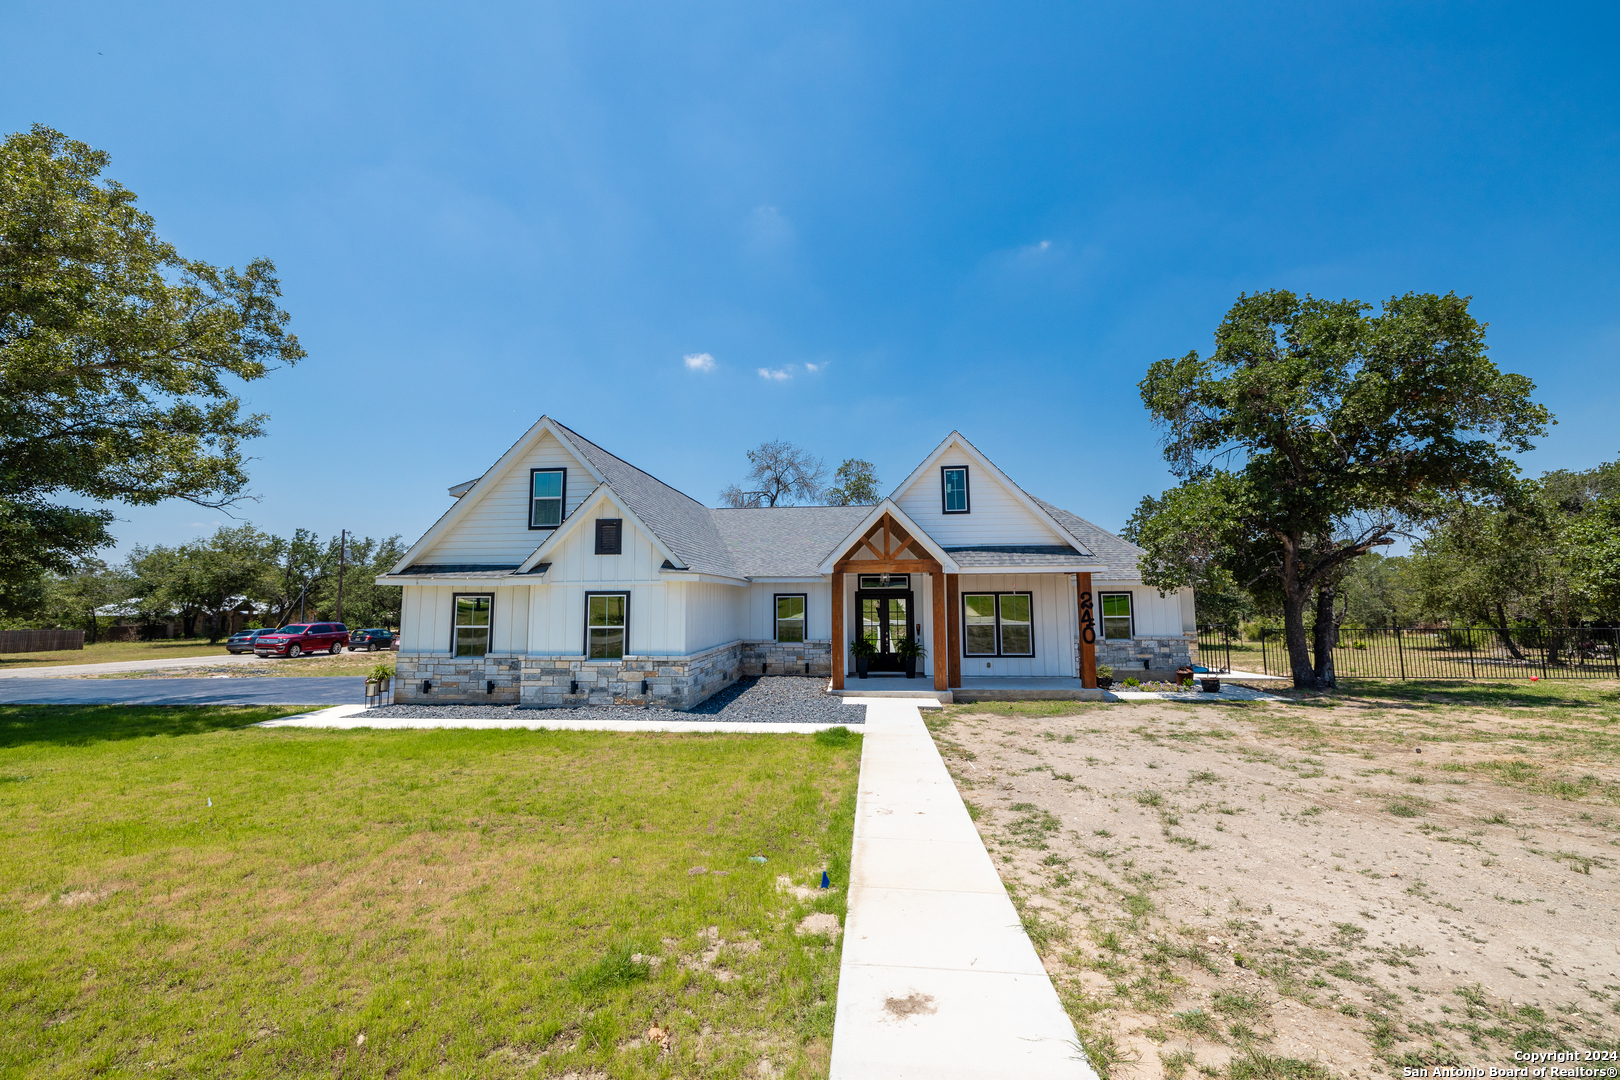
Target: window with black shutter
[609, 536]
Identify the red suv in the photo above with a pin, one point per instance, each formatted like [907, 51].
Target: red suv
[301, 638]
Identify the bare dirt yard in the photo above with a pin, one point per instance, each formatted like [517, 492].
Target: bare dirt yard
[1392, 877]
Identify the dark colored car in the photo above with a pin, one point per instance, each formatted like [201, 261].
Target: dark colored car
[242, 641]
[370, 640]
[301, 638]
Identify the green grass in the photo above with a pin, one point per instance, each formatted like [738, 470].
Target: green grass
[490, 903]
[108, 652]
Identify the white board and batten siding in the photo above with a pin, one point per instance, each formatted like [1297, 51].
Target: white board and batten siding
[760, 621]
[495, 531]
[1170, 615]
[1054, 612]
[428, 621]
[995, 513]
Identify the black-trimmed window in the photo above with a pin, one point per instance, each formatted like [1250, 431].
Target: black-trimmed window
[548, 488]
[607, 625]
[953, 489]
[1118, 620]
[472, 624]
[998, 624]
[610, 536]
[790, 616]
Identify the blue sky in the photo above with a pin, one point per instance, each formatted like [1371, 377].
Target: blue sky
[910, 217]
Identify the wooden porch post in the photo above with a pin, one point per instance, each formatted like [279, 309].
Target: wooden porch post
[953, 629]
[942, 678]
[1088, 634]
[837, 630]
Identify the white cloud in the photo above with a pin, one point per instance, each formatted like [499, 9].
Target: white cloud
[699, 362]
[816, 368]
[777, 374]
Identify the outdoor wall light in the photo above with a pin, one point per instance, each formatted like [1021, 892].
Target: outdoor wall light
[573, 687]
[489, 687]
[643, 687]
[427, 686]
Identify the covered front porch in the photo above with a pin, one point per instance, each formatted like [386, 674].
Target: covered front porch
[1013, 621]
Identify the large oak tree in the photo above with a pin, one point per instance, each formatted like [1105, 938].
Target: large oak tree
[119, 359]
[1317, 431]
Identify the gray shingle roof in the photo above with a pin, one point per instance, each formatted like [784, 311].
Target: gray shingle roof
[683, 524]
[1109, 549]
[785, 541]
[1031, 555]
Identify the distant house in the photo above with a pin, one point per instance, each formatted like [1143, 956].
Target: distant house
[567, 576]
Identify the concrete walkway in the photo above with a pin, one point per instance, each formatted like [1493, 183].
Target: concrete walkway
[938, 978]
[354, 716]
[269, 690]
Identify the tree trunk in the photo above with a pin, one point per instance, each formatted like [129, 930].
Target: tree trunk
[1295, 596]
[1502, 632]
[1326, 634]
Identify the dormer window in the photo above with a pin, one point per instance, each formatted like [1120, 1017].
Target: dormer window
[547, 488]
[953, 481]
[609, 536]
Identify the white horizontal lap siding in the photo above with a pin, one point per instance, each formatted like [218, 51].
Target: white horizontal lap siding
[1053, 620]
[496, 529]
[760, 622]
[996, 516]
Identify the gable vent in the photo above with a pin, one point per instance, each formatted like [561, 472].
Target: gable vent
[609, 536]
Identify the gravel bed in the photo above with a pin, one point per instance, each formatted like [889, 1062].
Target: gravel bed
[772, 699]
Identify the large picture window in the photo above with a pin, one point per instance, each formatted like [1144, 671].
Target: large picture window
[1116, 615]
[998, 624]
[547, 489]
[953, 480]
[472, 623]
[790, 616]
[607, 625]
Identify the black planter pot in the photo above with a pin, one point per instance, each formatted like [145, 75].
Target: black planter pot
[911, 667]
[861, 665]
[1105, 682]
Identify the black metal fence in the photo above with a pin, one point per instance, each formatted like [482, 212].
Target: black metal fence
[1466, 653]
[1215, 649]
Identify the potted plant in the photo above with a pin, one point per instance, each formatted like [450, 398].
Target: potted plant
[911, 650]
[863, 651]
[1211, 684]
[378, 677]
[1105, 677]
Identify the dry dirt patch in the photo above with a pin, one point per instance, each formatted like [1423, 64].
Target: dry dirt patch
[1236, 890]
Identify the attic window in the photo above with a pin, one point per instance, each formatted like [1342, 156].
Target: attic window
[609, 536]
[547, 490]
[953, 482]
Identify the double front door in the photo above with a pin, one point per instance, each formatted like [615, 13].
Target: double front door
[885, 622]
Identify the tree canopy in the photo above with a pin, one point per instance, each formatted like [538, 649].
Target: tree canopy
[779, 474]
[1316, 432]
[857, 484]
[119, 359]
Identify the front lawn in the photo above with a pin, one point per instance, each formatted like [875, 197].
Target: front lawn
[358, 903]
[115, 652]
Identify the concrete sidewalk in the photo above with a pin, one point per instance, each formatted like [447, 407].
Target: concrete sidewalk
[354, 716]
[938, 978]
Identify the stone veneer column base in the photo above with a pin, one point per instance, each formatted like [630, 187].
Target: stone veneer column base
[787, 658]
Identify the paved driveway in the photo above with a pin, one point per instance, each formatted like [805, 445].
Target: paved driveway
[266, 690]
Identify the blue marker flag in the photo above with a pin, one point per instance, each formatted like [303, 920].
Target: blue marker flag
[825, 884]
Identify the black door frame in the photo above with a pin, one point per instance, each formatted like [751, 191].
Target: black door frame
[886, 660]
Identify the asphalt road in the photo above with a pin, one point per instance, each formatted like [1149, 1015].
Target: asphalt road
[267, 690]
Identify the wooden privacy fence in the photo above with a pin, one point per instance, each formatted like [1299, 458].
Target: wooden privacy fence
[40, 640]
[1463, 653]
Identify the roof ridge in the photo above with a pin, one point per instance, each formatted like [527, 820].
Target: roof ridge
[626, 464]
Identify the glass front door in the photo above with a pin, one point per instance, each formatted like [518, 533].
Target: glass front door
[885, 622]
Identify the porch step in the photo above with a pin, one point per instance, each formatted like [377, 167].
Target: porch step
[875, 689]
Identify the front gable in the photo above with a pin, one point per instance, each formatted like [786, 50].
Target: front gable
[998, 511]
[569, 555]
[489, 525]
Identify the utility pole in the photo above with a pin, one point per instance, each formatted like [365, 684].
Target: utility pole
[343, 539]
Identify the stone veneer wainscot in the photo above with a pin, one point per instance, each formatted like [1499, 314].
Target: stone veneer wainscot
[787, 657]
[673, 682]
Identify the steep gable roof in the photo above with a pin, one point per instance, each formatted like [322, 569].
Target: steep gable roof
[1109, 549]
[684, 525]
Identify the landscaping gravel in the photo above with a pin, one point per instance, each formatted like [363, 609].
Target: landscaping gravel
[772, 699]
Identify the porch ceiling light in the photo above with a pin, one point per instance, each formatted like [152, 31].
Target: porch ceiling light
[885, 580]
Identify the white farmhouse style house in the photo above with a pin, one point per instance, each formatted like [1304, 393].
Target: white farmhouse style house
[564, 576]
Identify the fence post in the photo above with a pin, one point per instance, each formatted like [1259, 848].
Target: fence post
[1473, 672]
[1400, 653]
